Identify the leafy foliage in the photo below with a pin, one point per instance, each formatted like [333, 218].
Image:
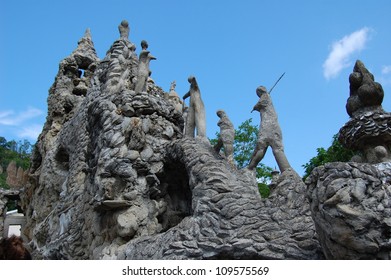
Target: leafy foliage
[19, 152]
[246, 136]
[336, 152]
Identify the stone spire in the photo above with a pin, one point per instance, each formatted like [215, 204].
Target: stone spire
[85, 53]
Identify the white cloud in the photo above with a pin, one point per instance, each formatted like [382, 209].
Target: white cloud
[5, 114]
[21, 124]
[386, 69]
[341, 51]
[32, 132]
[9, 118]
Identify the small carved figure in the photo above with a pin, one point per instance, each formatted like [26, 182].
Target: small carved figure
[172, 86]
[143, 68]
[269, 132]
[174, 98]
[124, 29]
[226, 137]
[196, 115]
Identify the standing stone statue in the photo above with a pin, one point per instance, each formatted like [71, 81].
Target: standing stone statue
[269, 132]
[143, 68]
[196, 115]
[124, 29]
[226, 137]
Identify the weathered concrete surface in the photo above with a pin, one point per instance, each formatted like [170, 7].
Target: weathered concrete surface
[351, 208]
[228, 219]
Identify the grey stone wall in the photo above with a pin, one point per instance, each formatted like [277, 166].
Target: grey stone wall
[351, 208]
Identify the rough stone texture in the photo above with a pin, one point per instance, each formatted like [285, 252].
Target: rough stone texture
[228, 219]
[368, 131]
[351, 207]
[366, 95]
[113, 178]
[350, 202]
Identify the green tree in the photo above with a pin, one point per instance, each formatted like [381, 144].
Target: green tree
[246, 136]
[335, 153]
[19, 152]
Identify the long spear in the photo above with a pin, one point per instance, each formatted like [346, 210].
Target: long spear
[270, 91]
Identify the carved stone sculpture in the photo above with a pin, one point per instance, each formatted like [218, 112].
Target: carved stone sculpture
[196, 119]
[143, 68]
[173, 97]
[369, 129]
[227, 136]
[124, 29]
[270, 133]
[366, 95]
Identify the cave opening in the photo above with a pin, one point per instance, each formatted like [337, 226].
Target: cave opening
[173, 194]
[62, 159]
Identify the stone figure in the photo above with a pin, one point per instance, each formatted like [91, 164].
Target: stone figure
[172, 86]
[124, 29]
[196, 115]
[143, 67]
[368, 130]
[226, 137]
[269, 133]
[174, 98]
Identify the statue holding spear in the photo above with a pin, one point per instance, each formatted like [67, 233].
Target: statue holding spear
[270, 133]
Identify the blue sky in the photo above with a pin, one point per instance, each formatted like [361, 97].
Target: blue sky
[230, 46]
